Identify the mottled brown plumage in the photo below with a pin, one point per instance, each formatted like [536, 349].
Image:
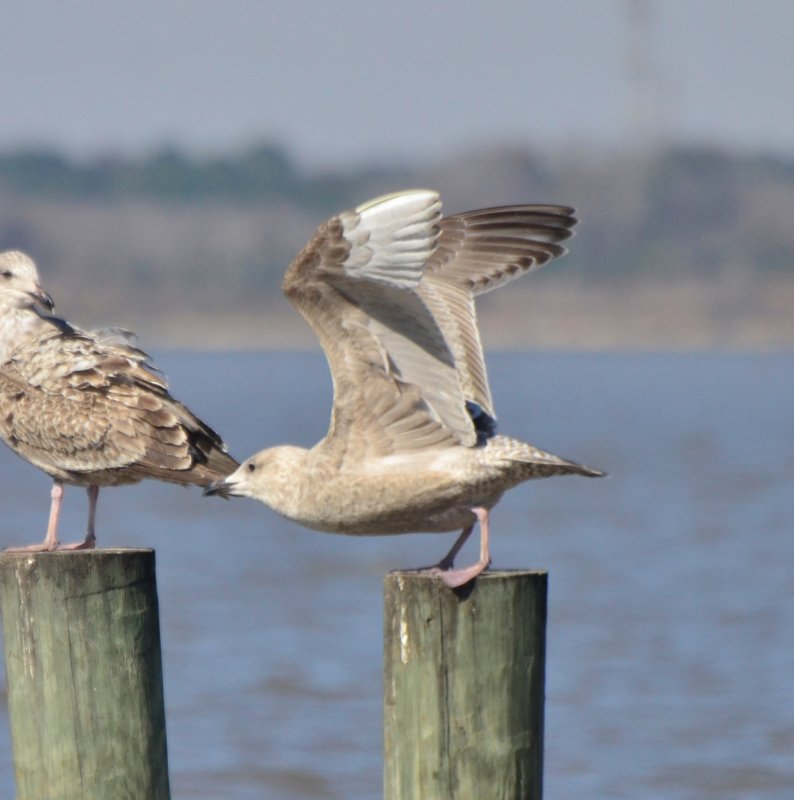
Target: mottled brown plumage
[88, 408]
[388, 289]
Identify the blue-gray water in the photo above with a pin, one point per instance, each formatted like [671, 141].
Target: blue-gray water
[671, 641]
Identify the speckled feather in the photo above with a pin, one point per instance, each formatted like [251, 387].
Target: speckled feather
[89, 408]
[388, 288]
[87, 412]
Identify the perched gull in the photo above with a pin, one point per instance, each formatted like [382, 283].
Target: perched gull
[412, 446]
[87, 407]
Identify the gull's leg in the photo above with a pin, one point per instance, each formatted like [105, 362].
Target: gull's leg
[93, 496]
[448, 561]
[457, 577]
[51, 539]
[90, 539]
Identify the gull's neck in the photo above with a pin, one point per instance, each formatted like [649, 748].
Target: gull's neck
[16, 326]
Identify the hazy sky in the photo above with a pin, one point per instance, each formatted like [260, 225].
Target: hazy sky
[351, 80]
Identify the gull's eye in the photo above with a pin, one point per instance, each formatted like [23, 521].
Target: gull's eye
[6, 273]
[251, 466]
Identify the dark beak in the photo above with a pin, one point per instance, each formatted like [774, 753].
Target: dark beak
[220, 489]
[43, 298]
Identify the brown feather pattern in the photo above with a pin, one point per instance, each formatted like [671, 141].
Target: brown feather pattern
[89, 413]
[388, 289]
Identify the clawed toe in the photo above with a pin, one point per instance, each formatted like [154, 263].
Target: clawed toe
[49, 546]
[458, 577]
[87, 544]
[41, 547]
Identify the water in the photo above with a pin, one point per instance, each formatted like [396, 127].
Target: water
[671, 638]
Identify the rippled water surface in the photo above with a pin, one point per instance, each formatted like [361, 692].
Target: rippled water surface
[670, 668]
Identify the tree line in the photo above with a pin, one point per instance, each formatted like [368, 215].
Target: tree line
[220, 229]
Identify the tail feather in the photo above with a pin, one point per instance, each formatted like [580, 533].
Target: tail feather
[539, 463]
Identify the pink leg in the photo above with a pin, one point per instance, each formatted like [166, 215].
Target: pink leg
[90, 538]
[51, 539]
[457, 577]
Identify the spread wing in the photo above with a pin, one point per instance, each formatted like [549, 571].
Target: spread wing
[479, 251]
[388, 289]
[395, 383]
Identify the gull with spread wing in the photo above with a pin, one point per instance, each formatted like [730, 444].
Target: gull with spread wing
[388, 289]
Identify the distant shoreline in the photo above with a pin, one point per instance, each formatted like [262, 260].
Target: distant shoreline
[752, 315]
[686, 248]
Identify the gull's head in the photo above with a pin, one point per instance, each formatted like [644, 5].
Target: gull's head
[271, 476]
[19, 282]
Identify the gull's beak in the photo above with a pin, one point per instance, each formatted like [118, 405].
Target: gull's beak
[223, 488]
[43, 298]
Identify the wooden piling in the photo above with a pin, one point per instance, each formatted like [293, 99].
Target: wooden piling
[464, 687]
[83, 665]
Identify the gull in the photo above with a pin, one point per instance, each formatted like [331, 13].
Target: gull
[388, 288]
[88, 408]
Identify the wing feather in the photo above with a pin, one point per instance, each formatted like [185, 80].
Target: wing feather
[389, 290]
[395, 383]
[77, 405]
[477, 252]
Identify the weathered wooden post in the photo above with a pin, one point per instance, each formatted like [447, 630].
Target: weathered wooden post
[85, 686]
[464, 687]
